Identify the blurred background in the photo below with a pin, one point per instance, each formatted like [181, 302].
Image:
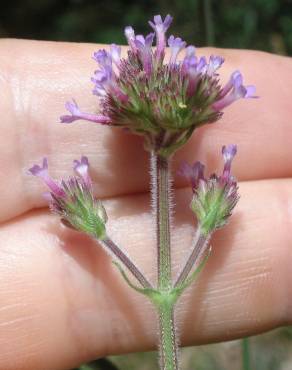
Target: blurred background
[251, 24]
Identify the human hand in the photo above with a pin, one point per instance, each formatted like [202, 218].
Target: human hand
[62, 301]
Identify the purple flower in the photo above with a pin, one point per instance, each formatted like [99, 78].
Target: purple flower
[190, 51]
[164, 100]
[234, 90]
[130, 36]
[144, 50]
[103, 58]
[43, 173]
[76, 114]
[73, 199]
[160, 27]
[215, 63]
[229, 153]
[115, 52]
[202, 65]
[103, 80]
[106, 59]
[146, 42]
[215, 197]
[176, 44]
[193, 173]
[82, 169]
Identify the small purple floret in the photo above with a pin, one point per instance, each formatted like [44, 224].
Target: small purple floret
[60, 192]
[228, 153]
[38, 170]
[176, 44]
[130, 36]
[190, 51]
[82, 169]
[76, 114]
[141, 42]
[103, 58]
[234, 90]
[43, 173]
[215, 63]
[195, 173]
[143, 48]
[115, 52]
[160, 27]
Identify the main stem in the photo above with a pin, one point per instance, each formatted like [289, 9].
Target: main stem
[161, 198]
[168, 346]
[161, 202]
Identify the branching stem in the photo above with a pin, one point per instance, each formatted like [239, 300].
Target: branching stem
[121, 256]
[199, 246]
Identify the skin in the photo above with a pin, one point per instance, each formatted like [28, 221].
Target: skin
[62, 301]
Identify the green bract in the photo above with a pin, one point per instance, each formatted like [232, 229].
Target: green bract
[80, 210]
[211, 207]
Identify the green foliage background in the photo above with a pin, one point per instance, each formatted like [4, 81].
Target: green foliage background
[252, 24]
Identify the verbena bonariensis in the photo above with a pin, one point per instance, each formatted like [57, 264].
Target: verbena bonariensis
[163, 99]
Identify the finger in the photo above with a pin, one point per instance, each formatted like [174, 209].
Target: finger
[63, 302]
[36, 78]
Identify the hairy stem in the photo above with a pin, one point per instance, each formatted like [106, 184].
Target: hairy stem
[199, 246]
[121, 256]
[168, 345]
[161, 205]
[161, 198]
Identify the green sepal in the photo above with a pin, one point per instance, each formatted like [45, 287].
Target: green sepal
[211, 208]
[82, 212]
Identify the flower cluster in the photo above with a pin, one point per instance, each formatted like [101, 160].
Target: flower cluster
[73, 199]
[214, 198]
[164, 99]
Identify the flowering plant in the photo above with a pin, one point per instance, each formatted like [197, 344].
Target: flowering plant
[164, 100]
